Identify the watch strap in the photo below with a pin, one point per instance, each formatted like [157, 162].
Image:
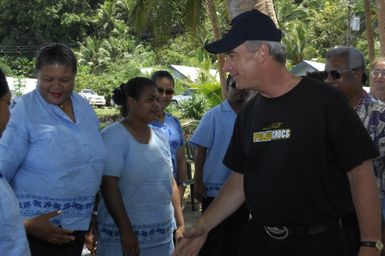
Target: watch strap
[374, 244]
[368, 243]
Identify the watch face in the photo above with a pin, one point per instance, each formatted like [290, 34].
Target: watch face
[379, 245]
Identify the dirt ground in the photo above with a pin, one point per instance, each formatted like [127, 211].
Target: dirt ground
[190, 216]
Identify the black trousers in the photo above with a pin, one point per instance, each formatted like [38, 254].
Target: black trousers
[224, 239]
[41, 247]
[256, 242]
[352, 232]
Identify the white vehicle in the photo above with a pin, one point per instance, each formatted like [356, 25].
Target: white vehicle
[186, 95]
[92, 97]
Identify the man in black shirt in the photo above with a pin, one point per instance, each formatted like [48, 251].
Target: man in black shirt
[299, 153]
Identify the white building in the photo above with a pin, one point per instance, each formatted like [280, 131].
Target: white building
[20, 86]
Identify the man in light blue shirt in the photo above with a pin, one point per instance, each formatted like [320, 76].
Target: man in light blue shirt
[211, 140]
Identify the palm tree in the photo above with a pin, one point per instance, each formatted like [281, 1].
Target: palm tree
[236, 7]
[194, 14]
[369, 30]
[381, 24]
[88, 53]
[267, 7]
[106, 17]
[123, 9]
[217, 35]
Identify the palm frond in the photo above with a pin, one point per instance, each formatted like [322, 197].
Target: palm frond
[194, 14]
[141, 13]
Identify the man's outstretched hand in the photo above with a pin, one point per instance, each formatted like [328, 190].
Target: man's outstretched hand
[192, 241]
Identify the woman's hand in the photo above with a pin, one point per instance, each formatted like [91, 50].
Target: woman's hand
[91, 236]
[130, 244]
[41, 227]
[179, 234]
[90, 242]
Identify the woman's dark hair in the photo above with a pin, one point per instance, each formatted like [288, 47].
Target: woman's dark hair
[55, 53]
[133, 88]
[162, 74]
[3, 84]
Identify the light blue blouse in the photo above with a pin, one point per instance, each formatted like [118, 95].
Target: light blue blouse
[145, 182]
[214, 133]
[51, 162]
[173, 131]
[13, 241]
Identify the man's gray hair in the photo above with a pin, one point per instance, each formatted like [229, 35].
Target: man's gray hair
[276, 49]
[355, 58]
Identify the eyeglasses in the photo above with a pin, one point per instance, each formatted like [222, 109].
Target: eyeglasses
[12, 103]
[164, 91]
[378, 72]
[335, 74]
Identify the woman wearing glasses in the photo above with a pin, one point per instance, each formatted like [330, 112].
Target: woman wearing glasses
[170, 126]
[377, 86]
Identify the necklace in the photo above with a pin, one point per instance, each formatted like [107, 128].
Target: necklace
[66, 105]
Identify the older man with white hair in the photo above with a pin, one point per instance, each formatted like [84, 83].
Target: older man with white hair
[299, 154]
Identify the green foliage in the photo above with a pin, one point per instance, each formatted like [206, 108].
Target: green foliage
[194, 15]
[114, 39]
[177, 51]
[189, 126]
[194, 107]
[18, 87]
[174, 110]
[212, 93]
[107, 116]
[104, 112]
[17, 66]
[109, 67]
[35, 22]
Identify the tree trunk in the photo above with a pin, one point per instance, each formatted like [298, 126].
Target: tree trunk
[217, 35]
[236, 7]
[369, 30]
[267, 7]
[381, 24]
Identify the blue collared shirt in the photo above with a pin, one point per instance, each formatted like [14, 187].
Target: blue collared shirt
[51, 162]
[173, 131]
[145, 183]
[13, 241]
[214, 133]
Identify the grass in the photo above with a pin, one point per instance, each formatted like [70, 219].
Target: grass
[107, 115]
[106, 111]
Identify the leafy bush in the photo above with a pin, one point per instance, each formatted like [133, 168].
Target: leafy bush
[17, 66]
[174, 110]
[189, 126]
[212, 92]
[107, 116]
[194, 107]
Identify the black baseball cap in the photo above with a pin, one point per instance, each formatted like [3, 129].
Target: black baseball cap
[250, 25]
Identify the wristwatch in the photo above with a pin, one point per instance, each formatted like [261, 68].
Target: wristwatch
[375, 244]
